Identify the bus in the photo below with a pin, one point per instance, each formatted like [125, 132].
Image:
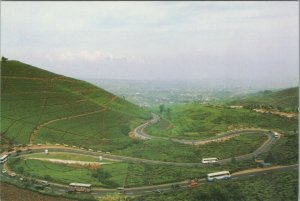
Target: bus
[79, 187]
[3, 158]
[209, 160]
[218, 175]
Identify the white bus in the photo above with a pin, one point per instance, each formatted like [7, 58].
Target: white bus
[218, 175]
[80, 187]
[3, 158]
[209, 160]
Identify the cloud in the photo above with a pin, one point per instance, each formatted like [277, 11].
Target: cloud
[90, 56]
[165, 39]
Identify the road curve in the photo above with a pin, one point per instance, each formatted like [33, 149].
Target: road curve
[135, 191]
[140, 133]
[164, 187]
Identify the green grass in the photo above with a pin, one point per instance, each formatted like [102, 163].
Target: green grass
[170, 151]
[27, 103]
[196, 121]
[123, 174]
[66, 174]
[31, 96]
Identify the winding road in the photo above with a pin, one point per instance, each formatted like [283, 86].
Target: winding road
[138, 132]
[135, 191]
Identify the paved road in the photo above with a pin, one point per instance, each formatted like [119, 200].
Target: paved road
[141, 134]
[61, 189]
[135, 191]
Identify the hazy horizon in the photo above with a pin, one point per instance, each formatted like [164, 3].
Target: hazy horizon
[253, 42]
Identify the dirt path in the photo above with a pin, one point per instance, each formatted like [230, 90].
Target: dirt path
[69, 161]
[282, 114]
[36, 130]
[255, 170]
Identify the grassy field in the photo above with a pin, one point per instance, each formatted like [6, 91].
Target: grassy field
[31, 97]
[283, 100]
[196, 121]
[276, 186]
[171, 151]
[122, 174]
[65, 174]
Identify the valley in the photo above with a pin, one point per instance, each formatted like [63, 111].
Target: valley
[97, 138]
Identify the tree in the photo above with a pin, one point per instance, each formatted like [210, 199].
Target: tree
[4, 59]
[161, 108]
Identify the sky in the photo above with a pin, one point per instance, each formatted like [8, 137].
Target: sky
[155, 40]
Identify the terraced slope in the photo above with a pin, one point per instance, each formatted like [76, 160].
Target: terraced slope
[284, 100]
[38, 106]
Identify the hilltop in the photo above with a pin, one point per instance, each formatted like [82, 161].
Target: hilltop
[282, 100]
[38, 106]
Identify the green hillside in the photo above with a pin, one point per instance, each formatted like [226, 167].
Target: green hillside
[197, 121]
[284, 100]
[38, 106]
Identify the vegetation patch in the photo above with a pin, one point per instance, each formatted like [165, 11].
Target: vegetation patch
[275, 186]
[171, 151]
[196, 121]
